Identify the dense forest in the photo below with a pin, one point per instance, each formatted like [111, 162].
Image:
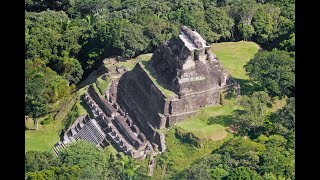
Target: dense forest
[65, 40]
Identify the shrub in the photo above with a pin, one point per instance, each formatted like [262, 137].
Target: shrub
[47, 121]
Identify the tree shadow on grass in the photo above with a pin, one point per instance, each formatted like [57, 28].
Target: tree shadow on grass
[225, 120]
[247, 87]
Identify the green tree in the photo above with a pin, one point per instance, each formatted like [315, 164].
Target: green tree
[54, 172]
[42, 5]
[41, 175]
[254, 115]
[44, 27]
[92, 161]
[82, 8]
[242, 152]
[284, 119]
[275, 71]
[127, 168]
[72, 70]
[242, 13]
[263, 25]
[246, 31]
[266, 24]
[135, 42]
[219, 22]
[155, 28]
[243, 173]
[276, 159]
[43, 86]
[284, 24]
[269, 176]
[218, 172]
[193, 17]
[52, 37]
[288, 44]
[199, 170]
[38, 161]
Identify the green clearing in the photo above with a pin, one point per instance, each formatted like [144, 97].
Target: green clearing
[47, 136]
[44, 138]
[200, 125]
[234, 55]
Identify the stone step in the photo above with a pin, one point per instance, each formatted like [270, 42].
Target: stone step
[55, 153]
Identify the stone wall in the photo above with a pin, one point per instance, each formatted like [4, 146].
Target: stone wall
[169, 59]
[194, 102]
[143, 102]
[202, 77]
[138, 90]
[172, 119]
[106, 107]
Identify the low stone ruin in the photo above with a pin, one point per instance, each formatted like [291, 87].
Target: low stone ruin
[109, 125]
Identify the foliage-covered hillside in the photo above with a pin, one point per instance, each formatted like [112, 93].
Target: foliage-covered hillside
[68, 39]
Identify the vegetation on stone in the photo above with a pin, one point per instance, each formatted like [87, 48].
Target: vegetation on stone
[146, 67]
[102, 85]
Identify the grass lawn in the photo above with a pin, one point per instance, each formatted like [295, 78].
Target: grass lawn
[199, 125]
[234, 55]
[128, 64]
[102, 85]
[44, 138]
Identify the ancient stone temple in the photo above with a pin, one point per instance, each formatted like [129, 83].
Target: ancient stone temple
[190, 69]
[136, 108]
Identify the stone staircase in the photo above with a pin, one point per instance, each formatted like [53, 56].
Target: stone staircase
[58, 147]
